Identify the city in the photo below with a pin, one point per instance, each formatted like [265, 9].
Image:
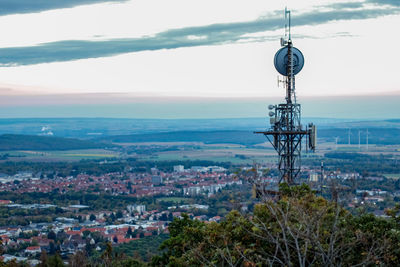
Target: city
[151, 200]
[138, 133]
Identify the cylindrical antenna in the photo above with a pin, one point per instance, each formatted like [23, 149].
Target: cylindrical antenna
[349, 135]
[336, 141]
[286, 24]
[322, 170]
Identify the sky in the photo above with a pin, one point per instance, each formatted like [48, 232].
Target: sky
[185, 58]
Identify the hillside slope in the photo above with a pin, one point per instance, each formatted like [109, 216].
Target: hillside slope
[208, 137]
[379, 136]
[33, 142]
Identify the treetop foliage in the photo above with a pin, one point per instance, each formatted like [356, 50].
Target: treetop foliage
[298, 229]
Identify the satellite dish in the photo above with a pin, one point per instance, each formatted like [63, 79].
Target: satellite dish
[281, 60]
[283, 42]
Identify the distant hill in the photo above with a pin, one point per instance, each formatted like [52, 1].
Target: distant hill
[95, 127]
[376, 135]
[33, 142]
[208, 137]
[387, 124]
[380, 136]
[238, 131]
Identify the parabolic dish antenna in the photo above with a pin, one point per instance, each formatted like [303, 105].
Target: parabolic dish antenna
[281, 60]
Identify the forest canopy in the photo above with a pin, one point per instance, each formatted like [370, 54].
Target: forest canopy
[298, 229]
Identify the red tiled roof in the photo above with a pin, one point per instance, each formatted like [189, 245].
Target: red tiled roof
[33, 248]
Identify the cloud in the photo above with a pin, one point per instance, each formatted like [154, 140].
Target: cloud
[344, 5]
[394, 3]
[214, 34]
[9, 7]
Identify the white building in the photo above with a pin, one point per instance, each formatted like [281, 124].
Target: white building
[33, 250]
[313, 177]
[216, 169]
[199, 169]
[136, 208]
[179, 168]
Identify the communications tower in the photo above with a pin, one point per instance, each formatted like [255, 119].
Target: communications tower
[286, 133]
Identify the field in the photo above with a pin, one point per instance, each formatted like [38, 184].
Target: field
[219, 153]
[237, 154]
[159, 151]
[394, 176]
[67, 155]
[262, 153]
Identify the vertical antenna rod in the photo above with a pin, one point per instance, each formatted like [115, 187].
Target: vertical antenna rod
[349, 133]
[288, 12]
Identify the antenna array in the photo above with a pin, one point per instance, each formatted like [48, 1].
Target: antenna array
[287, 133]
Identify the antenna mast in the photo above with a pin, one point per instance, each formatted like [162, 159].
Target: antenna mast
[286, 132]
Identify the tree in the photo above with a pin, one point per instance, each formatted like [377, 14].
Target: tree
[115, 239]
[86, 233]
[170, 217]
[128, 263]
[52, 248]
[43, 259]
[163, 217]
[296, 229]
[111, 258]
[79, 259]
[92, 217]
[129, 233]
[51, 235]
[174, 246]
[107, 255]
[56, 261]
[119, 214]
[12, 263]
